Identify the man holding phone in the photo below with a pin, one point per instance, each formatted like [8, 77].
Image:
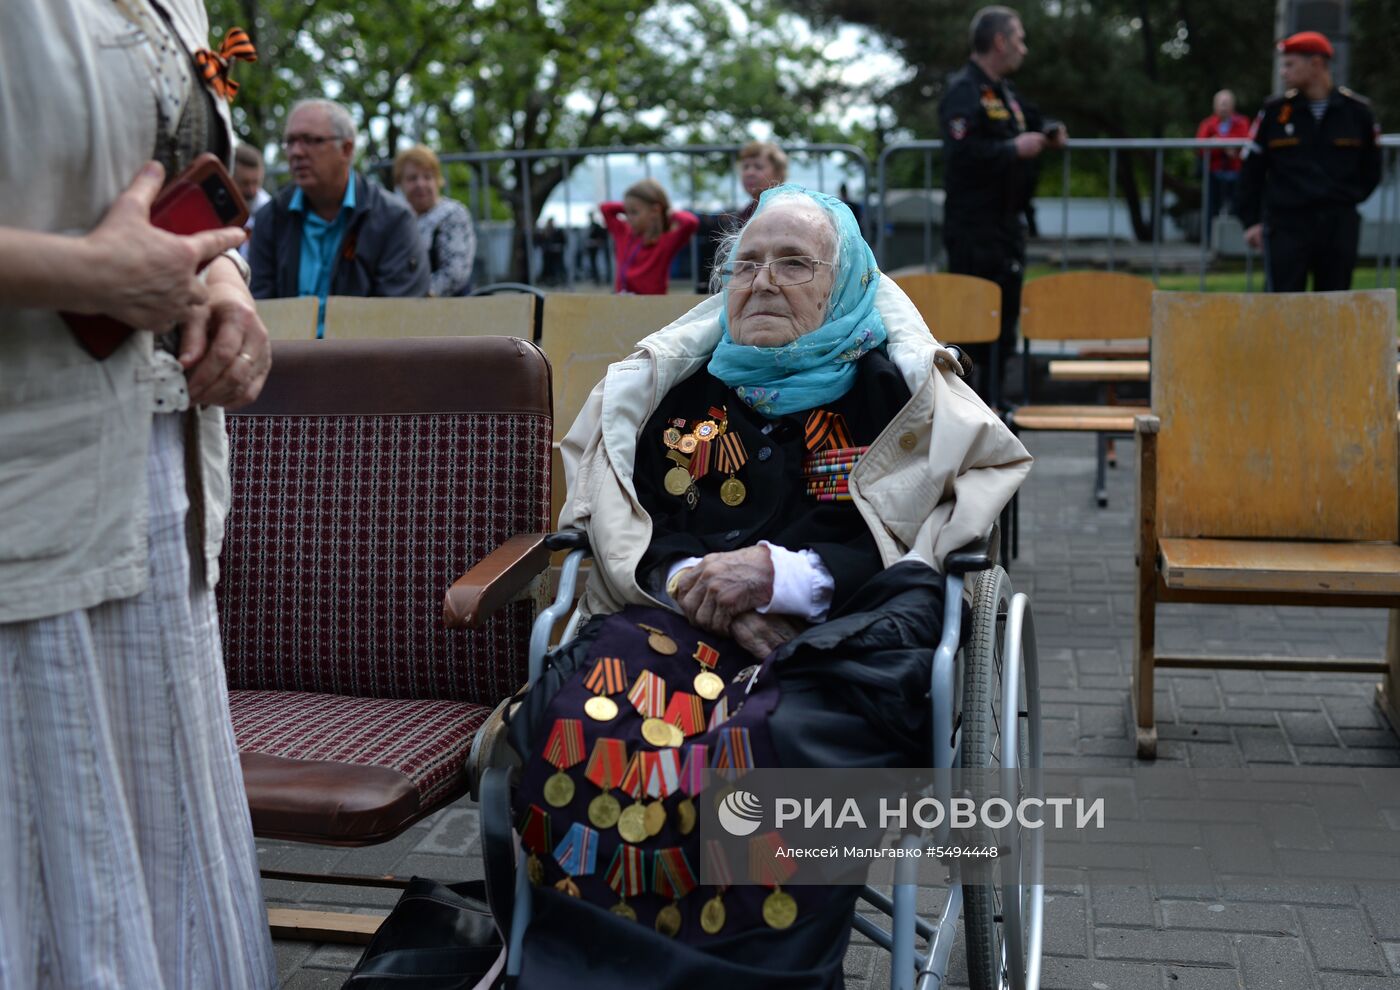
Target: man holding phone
[991, 144]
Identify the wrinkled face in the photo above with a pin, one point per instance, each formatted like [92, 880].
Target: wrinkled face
[319, 161]
[757, 174]
[767, 315]
[1012, 47]
[248, 179]
[1224, 105]
[1298, 71]
[420, 188]
[644, 217]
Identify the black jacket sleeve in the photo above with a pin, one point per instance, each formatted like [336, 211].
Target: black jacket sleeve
[959, 113]
[403, 266]
[262, 254]
[1253, 167]
[1371, 155]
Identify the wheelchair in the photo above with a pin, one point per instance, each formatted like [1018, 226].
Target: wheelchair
[986, 716]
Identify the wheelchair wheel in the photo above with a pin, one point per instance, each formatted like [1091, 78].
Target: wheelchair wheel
[983, 736]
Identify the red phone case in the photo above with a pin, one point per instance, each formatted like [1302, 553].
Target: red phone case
[183, 207]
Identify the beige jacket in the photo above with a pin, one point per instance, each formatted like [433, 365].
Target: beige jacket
[934, 480]
[77, 121]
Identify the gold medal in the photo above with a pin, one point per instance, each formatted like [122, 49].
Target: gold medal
[687, 444]
[708, 685]
[677, 481]
[559, 790]
[685, 816]
[677, 738]
[625, 910]
[659, 641]
[712, 915]
[668, 921]
[657, 732]
[671, 437]
[632, 823]
[600, 708]
[706, 429]
[779, 910]
[604, 811]
[534, 869]
[567, 886]
[655, 818]
[732, 492]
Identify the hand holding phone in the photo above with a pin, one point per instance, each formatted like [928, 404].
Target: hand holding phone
[144, 278]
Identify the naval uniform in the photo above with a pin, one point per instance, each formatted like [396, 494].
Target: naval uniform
[1303, 177]
[849, 692]
[988, 191]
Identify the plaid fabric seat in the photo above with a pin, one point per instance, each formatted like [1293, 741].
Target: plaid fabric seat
[419, 746]
[368, 477]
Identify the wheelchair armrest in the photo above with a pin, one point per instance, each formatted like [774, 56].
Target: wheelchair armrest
[975, 556]
[494, 581]
[568, 539]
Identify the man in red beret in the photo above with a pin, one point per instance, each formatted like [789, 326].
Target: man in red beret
[1314, 155]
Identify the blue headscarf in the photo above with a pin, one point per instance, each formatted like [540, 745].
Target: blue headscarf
[818, 367]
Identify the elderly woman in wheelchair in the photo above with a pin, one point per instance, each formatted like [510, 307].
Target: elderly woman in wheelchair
[772, 489]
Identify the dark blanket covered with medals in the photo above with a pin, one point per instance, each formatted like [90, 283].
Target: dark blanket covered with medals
[625, 718]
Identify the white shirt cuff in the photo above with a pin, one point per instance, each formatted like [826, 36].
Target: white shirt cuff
[802, 586]
[675, 569]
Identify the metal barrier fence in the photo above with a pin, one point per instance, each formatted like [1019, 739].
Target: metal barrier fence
[522, 162]
[1387, 243]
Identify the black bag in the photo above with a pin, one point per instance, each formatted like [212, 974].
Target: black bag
[438, 937]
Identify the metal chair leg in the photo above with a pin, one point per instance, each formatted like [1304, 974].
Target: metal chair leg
[1100, 474]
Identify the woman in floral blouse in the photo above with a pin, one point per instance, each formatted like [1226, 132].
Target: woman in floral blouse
[444, 224]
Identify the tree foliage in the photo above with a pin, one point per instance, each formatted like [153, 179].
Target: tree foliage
[487, 75]
[1374, 25]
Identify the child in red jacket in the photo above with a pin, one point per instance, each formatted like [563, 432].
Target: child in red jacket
[647, 234]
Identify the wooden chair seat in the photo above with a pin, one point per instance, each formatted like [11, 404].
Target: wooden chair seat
[1325, 568]
[1090, 419]
[1121, 352]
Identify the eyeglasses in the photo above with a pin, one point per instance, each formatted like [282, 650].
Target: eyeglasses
[310, 140]
[796, 270]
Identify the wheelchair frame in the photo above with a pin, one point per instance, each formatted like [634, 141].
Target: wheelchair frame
[910, 969]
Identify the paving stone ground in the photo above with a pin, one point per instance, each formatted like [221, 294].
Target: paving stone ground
[1076, 563]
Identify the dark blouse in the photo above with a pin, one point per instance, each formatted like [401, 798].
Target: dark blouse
[776, 507]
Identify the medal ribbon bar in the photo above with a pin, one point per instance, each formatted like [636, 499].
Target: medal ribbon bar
[564, 747]
[648, 695]
[607, 762]
[577, 854]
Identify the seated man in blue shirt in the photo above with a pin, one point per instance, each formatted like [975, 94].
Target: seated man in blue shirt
[331, 232]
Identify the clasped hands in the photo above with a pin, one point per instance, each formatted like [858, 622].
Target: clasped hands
[722, 593]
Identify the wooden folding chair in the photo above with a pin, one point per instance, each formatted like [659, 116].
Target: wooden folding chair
[355, 318]
[1082, 306]
[289, 319]
[584, 332]
[1267, 471]
[960, 309]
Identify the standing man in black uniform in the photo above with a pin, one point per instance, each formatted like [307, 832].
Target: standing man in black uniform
[991, 144]
[1314, 155]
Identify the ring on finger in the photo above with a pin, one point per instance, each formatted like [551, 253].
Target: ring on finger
[246, 356]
